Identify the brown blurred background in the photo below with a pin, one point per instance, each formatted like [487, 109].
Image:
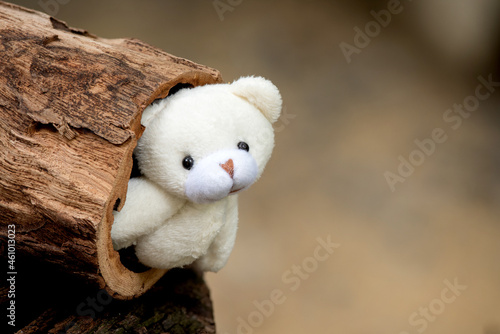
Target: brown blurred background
[345, 125]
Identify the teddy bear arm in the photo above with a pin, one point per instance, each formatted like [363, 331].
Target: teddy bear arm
[147, 207]
[218, 252]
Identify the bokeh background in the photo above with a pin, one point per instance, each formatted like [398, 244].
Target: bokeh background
[345, 124]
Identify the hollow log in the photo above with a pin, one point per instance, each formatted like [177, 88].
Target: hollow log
[70, 109]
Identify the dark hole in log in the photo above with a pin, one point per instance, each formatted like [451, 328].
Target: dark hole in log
[127, 255]
[178, 87]
[136, 172]
[117, 204]
[130, 261]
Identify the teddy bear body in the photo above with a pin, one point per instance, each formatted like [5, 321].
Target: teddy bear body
[200, 148]
[212, 225]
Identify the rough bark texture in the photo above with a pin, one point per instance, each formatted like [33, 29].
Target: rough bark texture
[70, 107]
[59, 303]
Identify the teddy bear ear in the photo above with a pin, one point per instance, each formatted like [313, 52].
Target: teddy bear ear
[261, 93]
[150, 112]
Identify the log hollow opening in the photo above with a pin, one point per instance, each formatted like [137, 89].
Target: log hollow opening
[127, 255]
[124, 275]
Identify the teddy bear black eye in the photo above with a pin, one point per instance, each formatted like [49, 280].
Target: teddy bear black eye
[243, 146]
[188, 162]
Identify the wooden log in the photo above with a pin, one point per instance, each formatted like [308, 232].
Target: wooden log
[70, 108]
[59, 303]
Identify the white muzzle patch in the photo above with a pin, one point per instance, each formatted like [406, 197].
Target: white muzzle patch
[220, 174]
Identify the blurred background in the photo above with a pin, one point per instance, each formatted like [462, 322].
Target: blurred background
[361, 82]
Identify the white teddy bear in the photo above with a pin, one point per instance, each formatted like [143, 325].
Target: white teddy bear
[200, 148]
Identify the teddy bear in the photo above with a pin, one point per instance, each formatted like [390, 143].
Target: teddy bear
[201, 147]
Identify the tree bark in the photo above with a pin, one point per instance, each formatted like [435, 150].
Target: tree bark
[70, 109]
[59, 303]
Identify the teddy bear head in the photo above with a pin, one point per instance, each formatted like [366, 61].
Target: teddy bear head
[208, 142]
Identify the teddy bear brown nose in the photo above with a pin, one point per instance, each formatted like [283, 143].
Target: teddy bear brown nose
[228, 166]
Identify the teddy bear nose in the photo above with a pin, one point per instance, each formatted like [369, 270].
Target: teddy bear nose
[228, 166]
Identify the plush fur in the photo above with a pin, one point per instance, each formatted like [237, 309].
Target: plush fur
[177, 214]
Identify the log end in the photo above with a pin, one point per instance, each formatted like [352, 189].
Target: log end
[120, 281]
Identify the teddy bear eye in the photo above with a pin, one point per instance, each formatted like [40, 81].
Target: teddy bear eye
[243, 146]
[188, 162]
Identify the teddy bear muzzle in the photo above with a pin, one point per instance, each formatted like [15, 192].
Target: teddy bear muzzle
[220, 174]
